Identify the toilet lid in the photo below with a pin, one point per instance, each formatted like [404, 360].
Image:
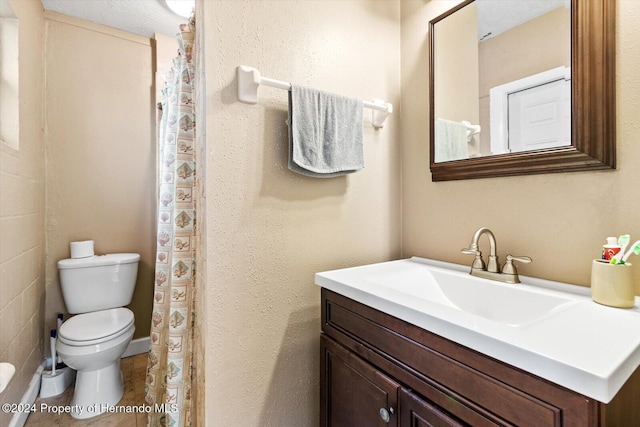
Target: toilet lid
[97, 326]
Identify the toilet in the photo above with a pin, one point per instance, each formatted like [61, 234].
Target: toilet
[96, 289]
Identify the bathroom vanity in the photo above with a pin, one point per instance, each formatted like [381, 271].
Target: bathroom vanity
[392, 353]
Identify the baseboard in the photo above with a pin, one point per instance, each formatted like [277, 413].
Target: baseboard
[138, 346]
[29, 398]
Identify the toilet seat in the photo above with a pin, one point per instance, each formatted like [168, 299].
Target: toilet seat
[96, 327]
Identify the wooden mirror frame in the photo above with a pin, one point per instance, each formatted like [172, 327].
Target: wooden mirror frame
[593, 104]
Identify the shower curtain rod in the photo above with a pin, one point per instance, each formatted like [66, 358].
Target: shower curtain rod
[249, 79]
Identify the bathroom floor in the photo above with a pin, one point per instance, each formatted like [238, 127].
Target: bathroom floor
[133, 371]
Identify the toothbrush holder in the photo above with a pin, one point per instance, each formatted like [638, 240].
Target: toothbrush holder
[612, 284]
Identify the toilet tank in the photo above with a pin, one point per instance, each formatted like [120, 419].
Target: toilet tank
[99, 282]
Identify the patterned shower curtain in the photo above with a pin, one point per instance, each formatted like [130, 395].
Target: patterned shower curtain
[168, 382]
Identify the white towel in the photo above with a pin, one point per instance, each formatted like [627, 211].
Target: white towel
[325, 133]
[450, 141]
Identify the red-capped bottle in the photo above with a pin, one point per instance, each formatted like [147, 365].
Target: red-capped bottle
[610, 249]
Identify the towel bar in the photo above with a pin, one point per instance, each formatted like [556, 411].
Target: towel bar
[249, 79]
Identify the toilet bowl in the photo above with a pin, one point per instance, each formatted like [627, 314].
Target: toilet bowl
[96, 289]
[93, 344]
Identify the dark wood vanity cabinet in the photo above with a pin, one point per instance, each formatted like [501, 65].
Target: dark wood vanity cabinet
[377, 370]
[358, 394]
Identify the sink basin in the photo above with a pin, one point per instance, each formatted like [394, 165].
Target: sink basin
[509, 304]
[550, 329]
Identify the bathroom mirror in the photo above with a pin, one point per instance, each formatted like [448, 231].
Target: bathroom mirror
[473, 137]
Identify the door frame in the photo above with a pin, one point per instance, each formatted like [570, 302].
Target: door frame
[499, 103]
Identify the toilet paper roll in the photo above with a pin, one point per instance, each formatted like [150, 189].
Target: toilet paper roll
[82, 249]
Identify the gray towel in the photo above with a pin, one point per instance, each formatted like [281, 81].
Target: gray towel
[325, 133]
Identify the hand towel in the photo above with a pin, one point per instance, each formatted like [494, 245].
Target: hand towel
[451, 141]
[325, 133]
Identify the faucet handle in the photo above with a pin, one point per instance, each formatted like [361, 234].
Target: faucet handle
[467, 251]
[522, 259]
[478, 262]
[510, 268]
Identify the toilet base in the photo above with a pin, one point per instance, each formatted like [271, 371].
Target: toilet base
[96, 391]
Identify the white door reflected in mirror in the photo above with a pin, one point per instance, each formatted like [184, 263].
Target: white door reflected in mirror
[533, 113]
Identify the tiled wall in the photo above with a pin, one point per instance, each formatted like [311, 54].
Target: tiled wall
[22, 216]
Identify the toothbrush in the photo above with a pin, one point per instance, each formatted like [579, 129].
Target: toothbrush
[623, 241]
[53, 352]
[634, 249]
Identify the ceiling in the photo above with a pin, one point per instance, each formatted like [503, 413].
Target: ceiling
[142, 17]
[146, 17]
[498, 16]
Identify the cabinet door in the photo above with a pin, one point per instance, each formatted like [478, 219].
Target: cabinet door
[415, 412]
[354, 393]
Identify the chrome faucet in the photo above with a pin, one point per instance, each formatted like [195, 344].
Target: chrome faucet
[491, 271]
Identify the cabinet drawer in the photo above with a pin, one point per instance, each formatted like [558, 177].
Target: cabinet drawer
[381, 333]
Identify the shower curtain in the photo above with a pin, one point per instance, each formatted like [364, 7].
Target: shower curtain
[168, 380]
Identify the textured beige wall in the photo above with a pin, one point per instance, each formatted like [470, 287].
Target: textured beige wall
[269, 230]
[100, 136]
[560, 220]
[22, 215]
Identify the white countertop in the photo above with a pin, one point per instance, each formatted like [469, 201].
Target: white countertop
[584, 346]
